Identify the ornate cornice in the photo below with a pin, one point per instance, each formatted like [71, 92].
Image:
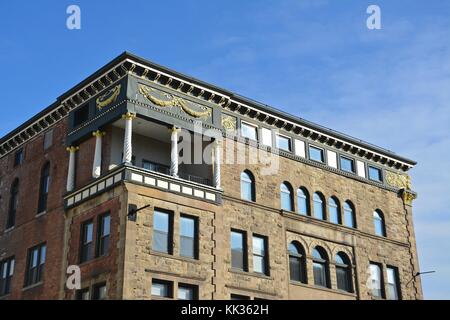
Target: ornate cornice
[59, 110]
[129, 64]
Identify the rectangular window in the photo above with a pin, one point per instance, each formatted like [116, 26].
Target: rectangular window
[99, 291]
[249, 131]
[266, 137]
[187, 292]
[393, 285]
[18, 157]
[83, 294]
[375, 174]
[104, 226]
[161, 288]
[87, 241]
[48, 139]
[162, 232]
[260, 255]
[6, 273]
[283, 143]
[238, 250]
[188, 236]
[347, 164]
[316, 154]
[376, 278]
[35, 264]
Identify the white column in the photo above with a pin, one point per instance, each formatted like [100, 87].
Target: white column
[127, 145]
[174, 152]
[71, 171]
[217, 156]
[97, 164]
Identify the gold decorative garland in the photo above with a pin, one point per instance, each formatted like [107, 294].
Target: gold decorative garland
[104, 100]
[174, 102]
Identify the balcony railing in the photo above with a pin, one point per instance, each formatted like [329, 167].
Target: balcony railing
[182, 185]
[161, 168]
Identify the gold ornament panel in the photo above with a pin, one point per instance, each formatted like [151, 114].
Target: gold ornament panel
[109, 97]
[398, 180]
[163, 99]
[229, 122]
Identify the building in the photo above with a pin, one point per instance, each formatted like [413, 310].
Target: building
[158, 185]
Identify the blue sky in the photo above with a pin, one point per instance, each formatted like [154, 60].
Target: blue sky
[313, 58]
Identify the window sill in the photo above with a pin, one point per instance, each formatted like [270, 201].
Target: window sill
[9, 229]
[305, 285]
[248, 273]
[32, 286]
[171, 256]
[5, 296]
[40, 214]
[95, 259]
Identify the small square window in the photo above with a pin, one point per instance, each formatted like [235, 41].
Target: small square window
[347, 164]
[283, 143]
[375, 174]
[316, 154]
[248, 131]
[161, 288]
[18, 157]
[187, 292]
[99, 292]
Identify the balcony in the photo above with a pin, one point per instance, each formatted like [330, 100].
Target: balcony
[155, 156]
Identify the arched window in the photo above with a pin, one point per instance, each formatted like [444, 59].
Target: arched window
[319, 210]
[349, 215]
[297, 262]
[13, 199]
[378, 222]
[320, 267]
[343, 272]
[334, 210]
[303, 201]
[247, 186]
[286, 199]
[43, 189]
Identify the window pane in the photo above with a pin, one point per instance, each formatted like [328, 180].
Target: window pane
[106, 225]
[347, 164]
[318, 207]
[248, 131]
[378, 224]
[316, 154]
[160, 289]
[343, 279]
[237, 250]
[333, 210]
[302, 202]
[186, 292]
[246, 187]
[348, 216]
[375, 174]
[161, 231]
[392, 280]
[319, 274]
[258, 264]
[266, 138]
[294, 268]
[259, 254]
[187, 237]
[375, 273]
[99, 292]
[285, 198]
[283, 143]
